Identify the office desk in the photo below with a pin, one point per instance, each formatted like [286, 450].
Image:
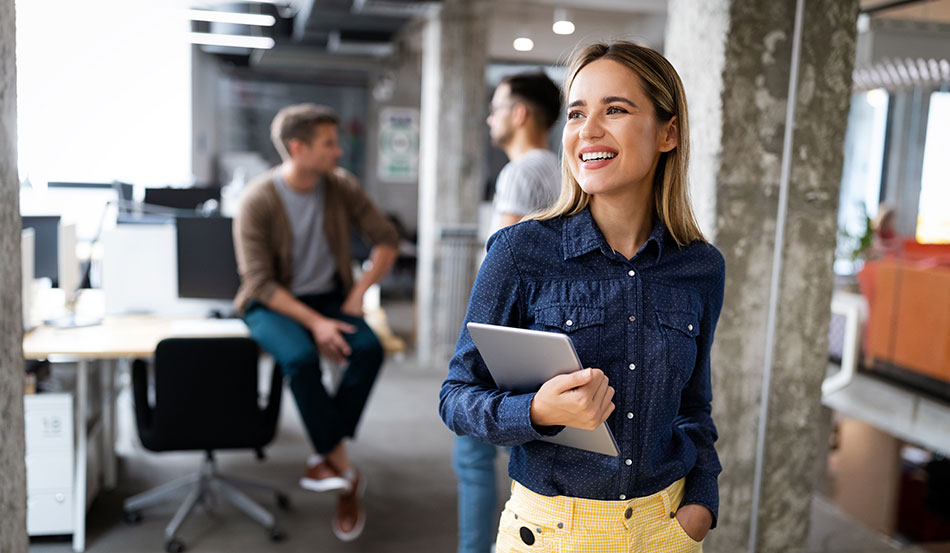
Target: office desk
[116, 340]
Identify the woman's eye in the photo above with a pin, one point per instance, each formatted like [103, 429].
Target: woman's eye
[574, 114]
[615, 109]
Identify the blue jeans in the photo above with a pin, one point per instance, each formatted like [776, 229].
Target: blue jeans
[474, 465]
[327, 419]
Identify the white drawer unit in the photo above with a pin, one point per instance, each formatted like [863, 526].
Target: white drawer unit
[50, 470]
[49, 512]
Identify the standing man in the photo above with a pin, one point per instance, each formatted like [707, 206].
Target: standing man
[298, 295]
[523, 110]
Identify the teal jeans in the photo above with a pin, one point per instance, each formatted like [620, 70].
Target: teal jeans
[328, 419]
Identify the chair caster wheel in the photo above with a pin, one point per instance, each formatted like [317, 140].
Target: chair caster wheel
[283, 502]
[132, 517]
[277, 535]
[174, 545]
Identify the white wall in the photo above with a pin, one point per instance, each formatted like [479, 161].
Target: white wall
[104, 91]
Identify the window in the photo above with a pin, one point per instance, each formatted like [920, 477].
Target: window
[933, 215]
[861, 176]
[103, 91]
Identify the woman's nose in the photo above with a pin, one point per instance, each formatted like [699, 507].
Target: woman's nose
[592, 128]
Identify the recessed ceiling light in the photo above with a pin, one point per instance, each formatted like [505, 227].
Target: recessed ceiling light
[562, 25]
[523, 44]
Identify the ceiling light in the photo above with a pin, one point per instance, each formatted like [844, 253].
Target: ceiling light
[235, 41]
[876, 98]
[523, 44]
[562, 25]
[261, 20]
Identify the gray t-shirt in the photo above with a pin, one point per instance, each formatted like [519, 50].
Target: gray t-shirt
[530, 183]
[313, 262]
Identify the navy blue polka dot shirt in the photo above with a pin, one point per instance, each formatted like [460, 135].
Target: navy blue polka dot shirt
[647, 322]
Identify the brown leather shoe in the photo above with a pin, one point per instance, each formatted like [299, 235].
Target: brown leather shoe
[324, 478]
[350, 518]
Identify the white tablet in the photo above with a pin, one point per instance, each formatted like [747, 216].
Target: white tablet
[521, 360]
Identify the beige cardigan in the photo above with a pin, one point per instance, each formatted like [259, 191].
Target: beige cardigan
[263, 243]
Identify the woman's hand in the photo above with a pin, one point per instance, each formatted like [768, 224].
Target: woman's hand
[695, 520]
[581, 399]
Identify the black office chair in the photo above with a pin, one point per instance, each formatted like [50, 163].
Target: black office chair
[205, 398]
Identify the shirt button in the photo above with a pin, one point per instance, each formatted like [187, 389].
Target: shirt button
[571, 323]
[689, 327]
[630, 415]
[632, 366]
[623, 496]
[631, 318]
[631, 272]
[560, 525]
[628, 513]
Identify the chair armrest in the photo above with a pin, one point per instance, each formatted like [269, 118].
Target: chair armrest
[143, 411]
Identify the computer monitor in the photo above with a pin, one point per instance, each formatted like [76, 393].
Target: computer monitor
[182, 198]
[46, 245]
[26, 266]
[124, 191]
[206, 264]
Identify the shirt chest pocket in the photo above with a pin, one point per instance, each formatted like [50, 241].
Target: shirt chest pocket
[583, 324]
[679, 330]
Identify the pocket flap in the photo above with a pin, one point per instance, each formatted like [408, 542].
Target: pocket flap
[568, 318]
[685, 322]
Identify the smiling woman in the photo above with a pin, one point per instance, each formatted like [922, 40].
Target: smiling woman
[622, 245]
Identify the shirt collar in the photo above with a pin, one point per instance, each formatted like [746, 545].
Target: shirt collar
[580, 235]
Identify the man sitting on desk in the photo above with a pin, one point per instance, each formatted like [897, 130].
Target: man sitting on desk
[298, 295]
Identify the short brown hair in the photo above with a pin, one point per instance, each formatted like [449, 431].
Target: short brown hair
[299, 121]
[540, 93]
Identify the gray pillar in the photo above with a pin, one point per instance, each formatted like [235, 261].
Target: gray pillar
[13, 536]
[776, 196]
[451, 164]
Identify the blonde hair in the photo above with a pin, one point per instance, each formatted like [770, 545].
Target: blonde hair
[670, 185]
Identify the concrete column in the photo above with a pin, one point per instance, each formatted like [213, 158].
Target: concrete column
[451, 165]
[777, 170]
[13, 536]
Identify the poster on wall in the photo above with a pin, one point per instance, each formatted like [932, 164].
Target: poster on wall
[398, 145]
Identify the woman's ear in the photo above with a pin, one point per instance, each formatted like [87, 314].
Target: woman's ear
[670, 135]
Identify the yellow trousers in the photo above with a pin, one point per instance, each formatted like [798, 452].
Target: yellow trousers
[533, 523]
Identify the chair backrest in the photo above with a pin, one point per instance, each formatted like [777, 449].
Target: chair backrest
[205, 396]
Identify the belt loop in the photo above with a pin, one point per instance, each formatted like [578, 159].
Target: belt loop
[569, 514]
[667, 502]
